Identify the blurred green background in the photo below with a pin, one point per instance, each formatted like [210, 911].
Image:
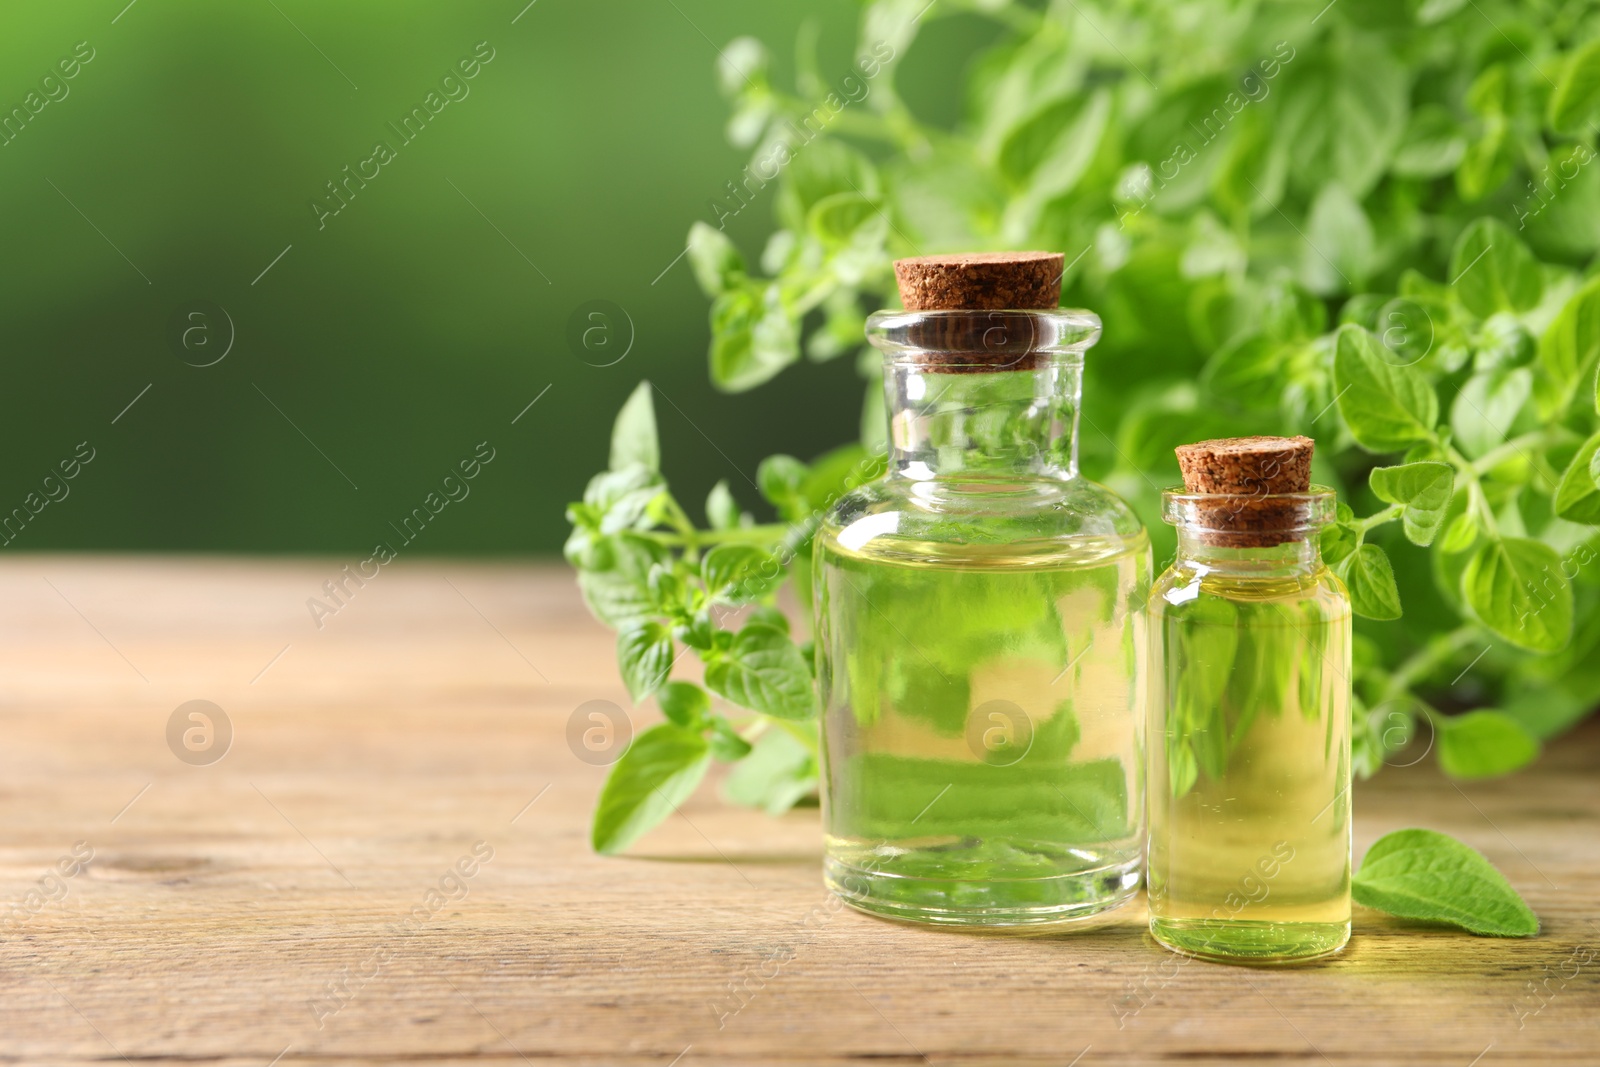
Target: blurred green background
[184, 157]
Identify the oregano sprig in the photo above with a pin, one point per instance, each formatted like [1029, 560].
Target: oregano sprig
[669, 588]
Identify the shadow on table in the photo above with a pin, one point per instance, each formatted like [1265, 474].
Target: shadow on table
[754, 859]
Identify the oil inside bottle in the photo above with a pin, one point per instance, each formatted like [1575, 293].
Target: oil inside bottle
[1249, 751]
[983, 715]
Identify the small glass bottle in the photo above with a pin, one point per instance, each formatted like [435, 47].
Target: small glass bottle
[1249, 736]
[979, 624]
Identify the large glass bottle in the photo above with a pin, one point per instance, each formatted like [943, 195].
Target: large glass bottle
[980, 638]
[1249, 739]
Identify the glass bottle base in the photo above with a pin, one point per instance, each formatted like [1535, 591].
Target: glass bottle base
[933, 885]
[1250, 941]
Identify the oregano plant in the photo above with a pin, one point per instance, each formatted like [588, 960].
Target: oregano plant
[1372, 222]
[669, 587]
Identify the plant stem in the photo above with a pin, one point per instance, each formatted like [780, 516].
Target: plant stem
[678, 517]
[798, 731]
[1477, 498]
[1517, 446]
[1426, 660]
[866, 124]
[1388, 514]
[764, 534]
[1475, 495]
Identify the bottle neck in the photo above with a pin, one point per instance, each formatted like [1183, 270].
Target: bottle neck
[1266, 535]
[1197, 549]
[982, 422]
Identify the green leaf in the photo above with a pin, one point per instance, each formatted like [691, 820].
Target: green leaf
[1172, 138]
[716, 263]
[1363, 309]
[1426, 875]
[939, 199]
[819, 168]
[1370, 578]
[668, 591]
[843, 218]
[1487, 406]
[658, 772]
[739, 573]
[1432, 11]
[1433, 144]
[780, 478]
[722, 511]
[842, 326]
[1546, 710]
[1423, 488]
[753, 337]
[741, 62]
[698, 631]
[1483, 744]
[749, 119]
[726, 744]
[1387, 407]
[1247, 371]
[1488, 159]
[1339, 243]
[1486, 96]
[778, 772]
[617, 588]
[1460, 535]
[733, 366]
[769, 615]
[1502, 343]
[1569, 349]
[644, 652]
[1410, 328]
[1487, 162]
[1344, 119]
[1515, 588]
[1577, 497]
[764, 671]
[1253, 171]
[633, 436]
[838, 471]
[1050, 154]
[1339, 540]
[1576, 100]
[622, 497]
[1493, 270]
[684, 703]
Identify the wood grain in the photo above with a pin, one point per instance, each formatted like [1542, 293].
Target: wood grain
[257, 907]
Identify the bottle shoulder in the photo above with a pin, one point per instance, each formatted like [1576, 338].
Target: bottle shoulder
[1186, 588]
[1008, 511]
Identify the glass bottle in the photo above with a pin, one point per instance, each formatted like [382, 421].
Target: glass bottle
[1249, 737]
[980, 637]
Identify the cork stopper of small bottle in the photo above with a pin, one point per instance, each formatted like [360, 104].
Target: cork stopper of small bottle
[1248, 476]
[978, 281]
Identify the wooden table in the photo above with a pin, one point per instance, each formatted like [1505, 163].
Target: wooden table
[294, 900]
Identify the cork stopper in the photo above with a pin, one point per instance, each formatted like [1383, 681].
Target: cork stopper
[978, 282]
[1248, 475]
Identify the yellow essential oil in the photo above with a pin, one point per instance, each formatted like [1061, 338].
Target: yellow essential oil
[981, 725]
[1249, 743]
[980, 639]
